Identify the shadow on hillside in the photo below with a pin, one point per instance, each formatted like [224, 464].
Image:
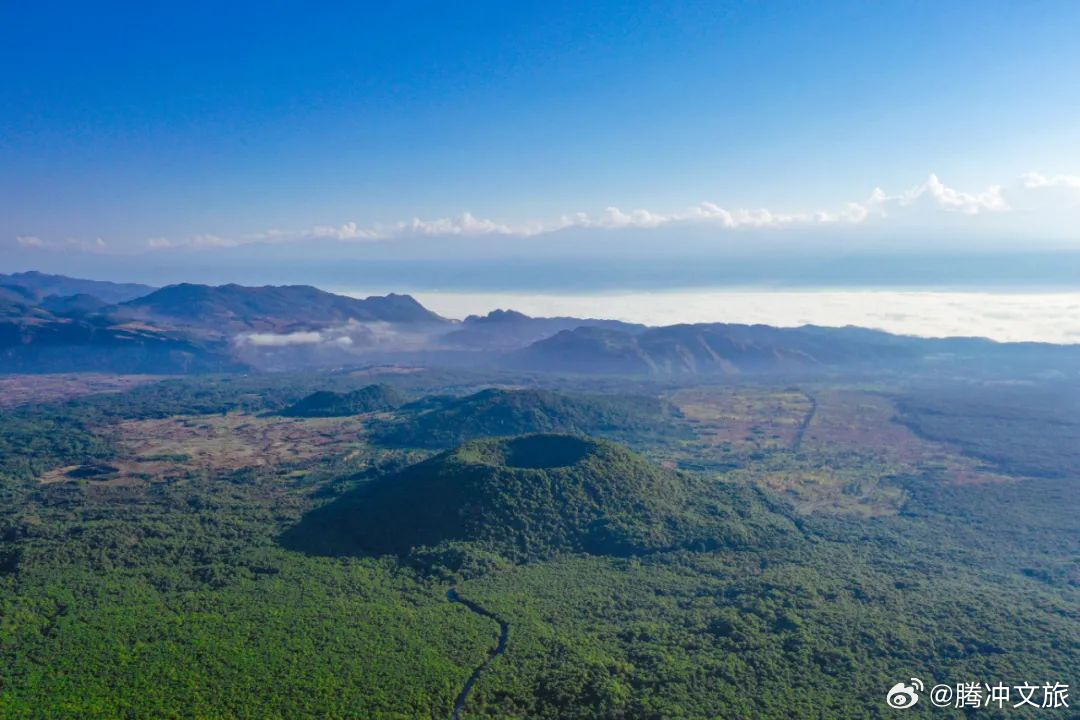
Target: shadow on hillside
[332, 530]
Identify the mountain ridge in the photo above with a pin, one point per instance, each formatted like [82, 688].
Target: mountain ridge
[269, 307]
[45, 284]
[725, 348]
[508, 330]
[299, 326]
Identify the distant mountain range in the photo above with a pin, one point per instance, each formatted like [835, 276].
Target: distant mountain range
[709, 348]
[43, 285]
[104, 326]
[269, 308]
[38, 341]
[50, 323]
[509, 329]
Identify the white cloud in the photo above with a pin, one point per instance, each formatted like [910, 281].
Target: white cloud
[466, 224]
[939, 195]
[211, 241]
[928, 202]
[763, 217]
[282, 339]
[463, 225]
[1035, 181]
[351, 336]
[347, 231]
[613, 217]
[33, 241]
[194, 241]
[933, 193]
[1053, 200]
[712, 211]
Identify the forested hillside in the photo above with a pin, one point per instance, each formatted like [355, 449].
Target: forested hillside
[534, 496]
[326, 403]
[181, 549]
[446, 422]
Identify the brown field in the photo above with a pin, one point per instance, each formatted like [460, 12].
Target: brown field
[744, 420]
[18, 390]
[840, 458]
[866, 423]
[164, 449]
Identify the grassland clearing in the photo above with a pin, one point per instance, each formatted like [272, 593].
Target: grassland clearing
[162, 449]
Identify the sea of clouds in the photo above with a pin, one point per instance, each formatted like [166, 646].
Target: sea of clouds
[1004, 316]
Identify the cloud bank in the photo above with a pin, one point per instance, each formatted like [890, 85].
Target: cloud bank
[929, 202]
[34, 242]
[1004, 316]
[349, 336]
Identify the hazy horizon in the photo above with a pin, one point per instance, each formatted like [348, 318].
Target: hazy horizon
[490, 149]
[1003, 311]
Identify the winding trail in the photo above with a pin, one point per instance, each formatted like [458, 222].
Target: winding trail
[796, 444]
[504, 634]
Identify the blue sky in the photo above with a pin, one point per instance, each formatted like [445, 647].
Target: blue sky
[145, 136]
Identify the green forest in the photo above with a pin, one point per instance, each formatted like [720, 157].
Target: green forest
[166, 552]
